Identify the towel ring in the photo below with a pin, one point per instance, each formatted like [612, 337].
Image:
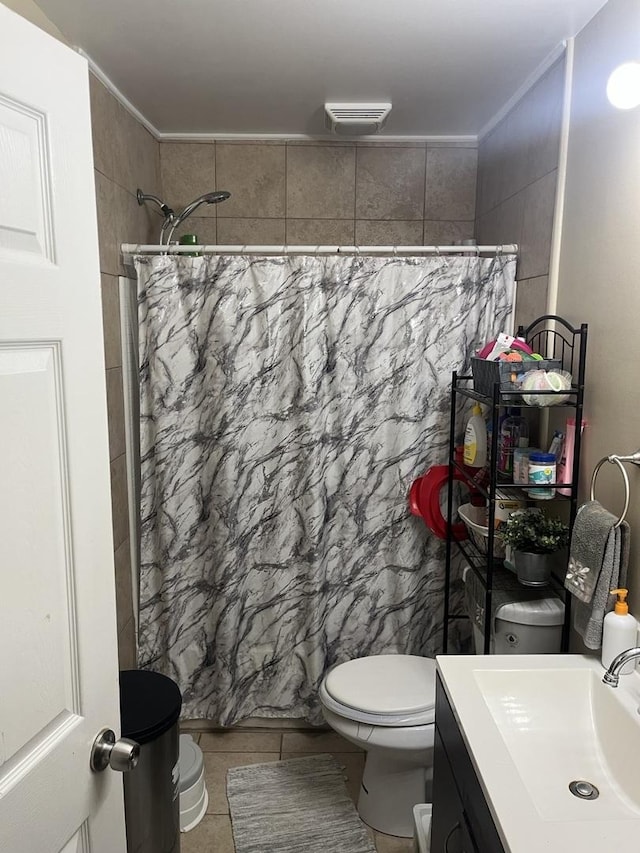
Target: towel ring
[634, 458]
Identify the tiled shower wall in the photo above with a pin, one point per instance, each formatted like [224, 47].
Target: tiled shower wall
[324, 193]
[517, 175]
[125, 156]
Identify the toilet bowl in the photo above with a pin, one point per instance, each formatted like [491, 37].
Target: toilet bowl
[385, 704]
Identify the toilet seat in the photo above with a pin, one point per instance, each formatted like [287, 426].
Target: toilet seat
[383, 690]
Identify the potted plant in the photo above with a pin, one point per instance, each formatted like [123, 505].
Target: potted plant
[535, 539]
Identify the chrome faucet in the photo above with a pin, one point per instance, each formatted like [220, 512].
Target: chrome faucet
[612, 675]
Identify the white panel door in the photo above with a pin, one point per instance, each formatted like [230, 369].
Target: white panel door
[58, 652]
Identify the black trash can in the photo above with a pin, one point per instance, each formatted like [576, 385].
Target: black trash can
[150, 706]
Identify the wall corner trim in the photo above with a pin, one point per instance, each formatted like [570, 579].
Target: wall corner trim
[528, 84]
[117, 94]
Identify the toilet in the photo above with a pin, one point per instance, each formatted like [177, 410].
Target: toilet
[385, 704]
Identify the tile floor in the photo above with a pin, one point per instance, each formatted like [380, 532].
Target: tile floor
[223, 750]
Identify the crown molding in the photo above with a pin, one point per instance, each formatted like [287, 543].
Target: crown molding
[528, 84]
[461, 140]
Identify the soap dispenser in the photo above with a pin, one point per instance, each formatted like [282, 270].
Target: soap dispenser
[619, 632]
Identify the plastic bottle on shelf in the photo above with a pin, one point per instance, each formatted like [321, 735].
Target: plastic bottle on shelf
[619, 632]
[475, 439]
[514, 432]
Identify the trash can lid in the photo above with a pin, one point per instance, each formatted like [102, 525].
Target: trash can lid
[150, 704]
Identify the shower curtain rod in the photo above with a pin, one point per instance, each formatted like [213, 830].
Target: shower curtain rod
[129, 249]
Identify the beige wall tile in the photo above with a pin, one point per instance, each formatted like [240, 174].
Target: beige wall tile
[487, 227]
[260, 232]
[187, 171]
[545, 123]
[127, 646]
[508, 223]
[205, 229]
[119, 501]
[143, 160]
[212, 835]
[124, 591]
[320, 181]
[255, 177]
[102, 126]
[115, 412]
[216, 765]
[320, 232]
[316, 742]
[537, 226]
[388, 232]
[447, 233]
[491, 160]
[105, 204]
[531, 299]
[111, 320]
[239, 741]
[447, 143]
[132, 222]
[451, 183]
[390, 183]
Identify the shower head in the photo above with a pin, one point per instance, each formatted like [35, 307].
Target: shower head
[208, 198]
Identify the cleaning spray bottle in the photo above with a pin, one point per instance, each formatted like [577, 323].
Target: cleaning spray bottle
[618, 632]
[475, 439]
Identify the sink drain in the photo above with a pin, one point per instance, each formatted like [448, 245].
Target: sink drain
[584, 790]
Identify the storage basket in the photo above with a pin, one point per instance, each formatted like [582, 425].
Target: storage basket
[508, 373]
[479, 533]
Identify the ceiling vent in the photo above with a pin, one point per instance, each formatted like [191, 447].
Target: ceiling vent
[356, 119]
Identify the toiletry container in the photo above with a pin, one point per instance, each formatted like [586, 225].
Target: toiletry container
[514, 432]
[619, 632]
[475, 439]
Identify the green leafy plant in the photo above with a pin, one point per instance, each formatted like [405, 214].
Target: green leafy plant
[534, 532]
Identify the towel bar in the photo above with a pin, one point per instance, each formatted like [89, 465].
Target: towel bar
[615, 459]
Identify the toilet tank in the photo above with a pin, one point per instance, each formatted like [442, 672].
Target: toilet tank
[526, 628]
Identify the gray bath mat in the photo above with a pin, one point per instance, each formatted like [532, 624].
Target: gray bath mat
[295, 806]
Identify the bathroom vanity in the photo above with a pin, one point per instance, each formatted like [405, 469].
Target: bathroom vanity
[512, 733]
[461, 818]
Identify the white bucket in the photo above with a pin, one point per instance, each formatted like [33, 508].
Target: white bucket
[194, 798]
[422, 827]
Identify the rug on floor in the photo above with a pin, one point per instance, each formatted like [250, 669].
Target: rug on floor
[295, 806]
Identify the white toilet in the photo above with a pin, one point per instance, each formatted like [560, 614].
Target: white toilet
[385, 704]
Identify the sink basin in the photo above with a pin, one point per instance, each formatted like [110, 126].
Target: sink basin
[563, 724]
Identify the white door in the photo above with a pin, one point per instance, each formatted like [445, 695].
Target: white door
[58, 653]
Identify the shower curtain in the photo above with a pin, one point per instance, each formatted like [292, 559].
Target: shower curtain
[286, 405]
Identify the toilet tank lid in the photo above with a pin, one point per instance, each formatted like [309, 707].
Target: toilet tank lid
[537, 611]
[384, 684]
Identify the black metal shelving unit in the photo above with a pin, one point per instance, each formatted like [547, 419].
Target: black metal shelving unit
[555, 338]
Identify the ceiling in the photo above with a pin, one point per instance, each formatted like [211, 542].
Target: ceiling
[268, 66]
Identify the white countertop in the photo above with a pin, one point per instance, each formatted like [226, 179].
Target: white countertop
[526, 824]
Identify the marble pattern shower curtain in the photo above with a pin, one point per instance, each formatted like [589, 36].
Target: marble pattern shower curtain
[286, 405]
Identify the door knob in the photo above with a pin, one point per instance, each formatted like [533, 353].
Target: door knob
[119, 754]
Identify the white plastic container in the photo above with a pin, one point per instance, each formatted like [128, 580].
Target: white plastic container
[475, 439]
[422, 827]
[194, 798]
[619, 632]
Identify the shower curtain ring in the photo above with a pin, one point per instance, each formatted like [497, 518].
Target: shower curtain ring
[395, 251]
